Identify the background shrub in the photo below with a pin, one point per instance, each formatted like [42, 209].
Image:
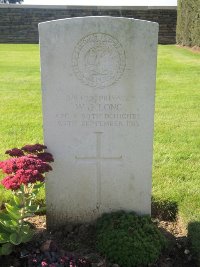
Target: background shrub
[129, 240]
[188, 23]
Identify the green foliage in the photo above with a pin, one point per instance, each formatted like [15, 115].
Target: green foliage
[26, 180]
[128, 239]
[188, 23]
[13, 229]
[6, 249]
[12, 232]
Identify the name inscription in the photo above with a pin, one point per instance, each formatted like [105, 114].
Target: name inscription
[98, 111]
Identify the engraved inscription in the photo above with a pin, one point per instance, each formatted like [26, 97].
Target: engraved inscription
[99, 111]
[98, 158]
[98, 60]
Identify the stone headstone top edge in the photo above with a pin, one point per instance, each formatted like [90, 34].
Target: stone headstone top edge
[156, 25]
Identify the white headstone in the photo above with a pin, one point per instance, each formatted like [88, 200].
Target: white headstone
[98, 84]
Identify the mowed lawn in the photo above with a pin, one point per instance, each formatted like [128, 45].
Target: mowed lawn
[20, 98]
[176, 167]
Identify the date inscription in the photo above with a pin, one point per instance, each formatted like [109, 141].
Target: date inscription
[98, 111]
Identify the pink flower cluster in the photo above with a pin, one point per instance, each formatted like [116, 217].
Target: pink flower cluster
[25, 168]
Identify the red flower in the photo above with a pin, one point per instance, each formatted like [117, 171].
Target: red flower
[47, 157]
[33, 148]
[15, 152]
[25, 169]
[25, 177]
[28, 176]
[31, 162]
[8, 166]
[10, 182]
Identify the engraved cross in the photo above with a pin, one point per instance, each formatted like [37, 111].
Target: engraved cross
[98, 159]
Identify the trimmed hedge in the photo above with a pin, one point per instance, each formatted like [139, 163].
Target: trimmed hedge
[188, 23]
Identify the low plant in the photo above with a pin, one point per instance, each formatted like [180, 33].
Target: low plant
[129, 240]
[25, 169]
[57, 259]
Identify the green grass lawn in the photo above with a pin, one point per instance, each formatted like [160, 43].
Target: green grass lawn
[176, 168]
[20, 98]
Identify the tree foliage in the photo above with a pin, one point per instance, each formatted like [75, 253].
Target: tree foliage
[188, 23]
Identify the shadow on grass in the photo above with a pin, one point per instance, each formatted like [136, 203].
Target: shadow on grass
[165, 210]
[194, 240]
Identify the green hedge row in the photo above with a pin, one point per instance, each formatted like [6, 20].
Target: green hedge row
[188, 23]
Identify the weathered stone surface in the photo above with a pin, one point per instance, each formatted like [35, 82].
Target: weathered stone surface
[98, 80]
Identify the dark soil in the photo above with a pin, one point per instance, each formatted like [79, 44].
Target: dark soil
[79, 240]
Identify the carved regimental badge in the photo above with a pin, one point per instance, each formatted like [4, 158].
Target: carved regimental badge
[98, 60]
